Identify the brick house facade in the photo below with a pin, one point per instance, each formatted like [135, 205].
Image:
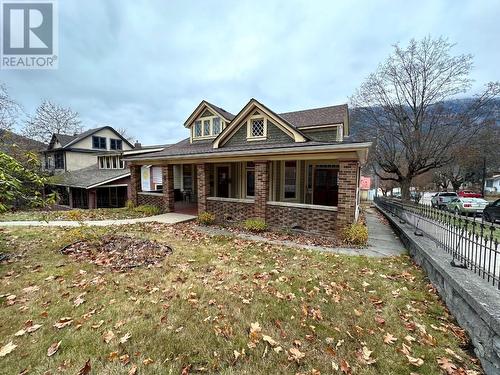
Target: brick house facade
[258, 164]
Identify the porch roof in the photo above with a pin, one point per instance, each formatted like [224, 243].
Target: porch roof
[89, 177]
[204, 149]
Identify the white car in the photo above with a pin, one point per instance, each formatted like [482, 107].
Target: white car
[440, 200]
[468, 206]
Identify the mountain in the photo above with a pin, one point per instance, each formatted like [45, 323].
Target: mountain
[11, 143]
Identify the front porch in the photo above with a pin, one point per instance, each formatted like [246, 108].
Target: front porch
[312, 195]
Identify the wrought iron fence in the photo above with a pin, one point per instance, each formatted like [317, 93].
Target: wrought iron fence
[472, 244]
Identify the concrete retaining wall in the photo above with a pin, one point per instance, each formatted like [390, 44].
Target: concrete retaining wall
[474, 303]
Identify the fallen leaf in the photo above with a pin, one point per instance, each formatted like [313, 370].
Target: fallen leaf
[448, 366]
[295, 355]
[63, 322]
[85, 370]
[415, 361]
[379, 319]
[269, 340]
[125, 338]
[344, 367]
[53, 349]
[390, 339]
[133, 370]
[78, 301]
[7, 348]
[147, 361]
[108, 336]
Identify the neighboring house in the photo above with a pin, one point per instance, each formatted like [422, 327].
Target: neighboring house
[88, 168]
[492, 184]
[294, 170]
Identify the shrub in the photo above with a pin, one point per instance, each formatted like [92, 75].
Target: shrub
[206, 218]
[355, 234]
[129, 204]
[255, 225]
[147, 209]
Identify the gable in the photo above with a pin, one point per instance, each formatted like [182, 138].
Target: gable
[271, 122]
[274, 136]
[106, 132]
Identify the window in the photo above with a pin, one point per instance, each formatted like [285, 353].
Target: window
[216, 125]
[59, 160]
[290, 179]
[489, 183]
[99, 142]
[110, 162]
[115, 144]
[197, 128]
[257, 128]
[250, 179]
[159, 187]
[187, 179]
[206, 127]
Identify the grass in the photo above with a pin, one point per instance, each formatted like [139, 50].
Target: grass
[195, 310]
[88, 214]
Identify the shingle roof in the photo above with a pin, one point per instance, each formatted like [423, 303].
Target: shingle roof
[67, 140]
[64, 139]
[89, 176]
[335, 114]
[221, 111]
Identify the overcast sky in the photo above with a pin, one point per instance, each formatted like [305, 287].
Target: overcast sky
[145, 65]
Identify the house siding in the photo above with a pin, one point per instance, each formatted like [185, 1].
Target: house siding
[310, 220]
[227, 212]
[328, 135]
[274, 135]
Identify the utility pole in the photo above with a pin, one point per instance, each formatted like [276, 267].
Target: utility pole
[483, 180]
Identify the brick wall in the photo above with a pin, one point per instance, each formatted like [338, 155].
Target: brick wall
[135, 183]
[348, 179]
[317, 221]
[154, 200]
[168, 187]
[234, 211]
[202, 173]
[261, 188]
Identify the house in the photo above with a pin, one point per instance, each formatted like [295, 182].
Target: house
[492, 184]
[294, 170]
[88, 168]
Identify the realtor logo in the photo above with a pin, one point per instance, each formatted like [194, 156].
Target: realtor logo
[29, 34]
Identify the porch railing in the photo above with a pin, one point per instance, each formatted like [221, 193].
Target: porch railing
[472, 245]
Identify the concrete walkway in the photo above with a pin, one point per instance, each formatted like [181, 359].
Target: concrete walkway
[382, 241]
[168, 218]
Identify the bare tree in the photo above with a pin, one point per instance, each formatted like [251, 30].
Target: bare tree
[51, 118]
[125, 134]
[404, 106]
[9, 109]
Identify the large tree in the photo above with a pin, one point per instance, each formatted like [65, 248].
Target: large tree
[405, 107]
[52, 118]
[9, 109]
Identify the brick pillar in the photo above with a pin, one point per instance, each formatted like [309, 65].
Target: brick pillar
[261, 188]
[347, 177]
[203, 181]
[167, 172]
[135, 183]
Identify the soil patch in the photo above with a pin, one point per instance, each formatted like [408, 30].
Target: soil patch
[118, 252]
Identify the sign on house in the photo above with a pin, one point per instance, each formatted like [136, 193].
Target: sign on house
[365, 183]
[145, 178]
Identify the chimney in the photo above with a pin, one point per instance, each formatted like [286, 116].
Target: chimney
[137, 144]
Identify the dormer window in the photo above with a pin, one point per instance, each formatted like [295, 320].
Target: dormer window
[99, 142]
[115, 144]
[207, 127]
[256, 128]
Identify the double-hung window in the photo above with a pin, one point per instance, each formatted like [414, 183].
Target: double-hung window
[115, 144]
[290, 179]
[99, 142]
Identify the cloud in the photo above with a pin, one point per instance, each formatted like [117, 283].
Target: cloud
[146, 65]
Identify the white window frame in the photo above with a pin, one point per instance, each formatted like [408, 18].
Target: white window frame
[250, 120]
[211, 127]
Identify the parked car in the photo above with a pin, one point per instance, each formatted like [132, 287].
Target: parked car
[440, 200]
[468, 206]
[469, 194]
[492, 212]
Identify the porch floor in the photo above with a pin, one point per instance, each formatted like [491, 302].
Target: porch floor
[187, 208]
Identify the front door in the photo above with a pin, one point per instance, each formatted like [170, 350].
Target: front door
[326, 188]
[223, 182]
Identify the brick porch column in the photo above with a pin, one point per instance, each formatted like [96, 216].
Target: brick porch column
[348, 179]
[167, 172]
[203, 181]
[261, 188]
[135, 183]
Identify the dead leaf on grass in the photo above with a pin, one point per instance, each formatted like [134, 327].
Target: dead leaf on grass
[133, 370]
[448, 366]
[63, 322]
[125, 338]
[85, 370]
[53, 349]
[7, 348]
[295, 355]
[390, 339]
[108, 336]
[415, 361]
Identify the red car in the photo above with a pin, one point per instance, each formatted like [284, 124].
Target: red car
[468, 194]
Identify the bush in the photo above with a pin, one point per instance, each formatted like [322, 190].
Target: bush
[206, 218]
[147, 209]
[355, 234]
[129, 204]
[255, 225]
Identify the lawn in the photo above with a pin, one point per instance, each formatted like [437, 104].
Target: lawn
[218, 305]
[77, 214]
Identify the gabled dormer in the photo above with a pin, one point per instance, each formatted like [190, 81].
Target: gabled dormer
[207, 122]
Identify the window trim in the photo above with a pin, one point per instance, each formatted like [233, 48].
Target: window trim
[211, 134]
[100, 138]
[297, 181]
[250, 120]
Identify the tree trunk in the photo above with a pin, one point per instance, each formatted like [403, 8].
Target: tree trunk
[483, 179]
[456, 184]
[405, 189]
